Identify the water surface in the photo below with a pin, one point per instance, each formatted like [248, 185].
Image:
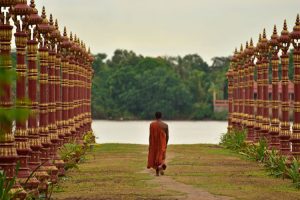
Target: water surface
[137, 132]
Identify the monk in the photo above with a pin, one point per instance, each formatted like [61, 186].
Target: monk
[158, 141]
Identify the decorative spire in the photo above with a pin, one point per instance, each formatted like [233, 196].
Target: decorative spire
[65, 32]
[32, 4]
[275, 30]
[51, 20]
[241, 49]
[247, 45]
[264, 34]
[44, 13]
[71, 36]
[251, 42]
[56, 24]
[285, 26]
[297, 20]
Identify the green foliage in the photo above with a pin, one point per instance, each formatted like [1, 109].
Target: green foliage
[6, 185]
[71, 154]
[130, 86]
[234, 140]
[293, 173]
[89, 138]
[276, 164]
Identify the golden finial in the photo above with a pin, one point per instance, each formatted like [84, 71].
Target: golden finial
[65, 32]
[264, 34]
[285, 25]
[247, 45]
[71, 36]
[251, 42]
[275, 30]
[235, 51]
[56, 24]
[51, 20]
[259, 38]
[297, 20]
[241, 49]
[75, 38]
[44, 13]
[89, 51]
[32, 4]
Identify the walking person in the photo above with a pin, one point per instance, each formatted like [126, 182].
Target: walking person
[158, 141]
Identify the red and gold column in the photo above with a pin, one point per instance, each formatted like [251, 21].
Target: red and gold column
[33, 133]
[22, 10]
[89, 93]
[284, 133]
[259, 100]
[230, 96]
[264, 50]
[71, 70]
[8, 152]
[274, 129]
[295, 138]
[44, 30]
[235, 90]
[65, 45]
[250, 55]
[57, 139]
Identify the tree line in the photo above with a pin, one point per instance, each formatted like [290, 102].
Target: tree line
[130, 86]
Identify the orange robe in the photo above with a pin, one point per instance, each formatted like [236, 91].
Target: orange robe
[157, 146]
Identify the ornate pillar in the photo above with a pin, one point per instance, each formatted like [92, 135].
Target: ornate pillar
[250, 55]
[259, 100]
[21, 11]
[71, 71]
[274, 129]
[44, 30]
[240, 88]
[57, 139]
[33, 133]
[295, 138]
[89, 96]
[65, 86]
[264, 49]
[230, 96]
[58, 90]
[246, 90]
[235, 89]
[51, 97]
[284, 133]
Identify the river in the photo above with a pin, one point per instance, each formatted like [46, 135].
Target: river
[137, 132]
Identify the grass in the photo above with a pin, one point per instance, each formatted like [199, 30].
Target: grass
[113, 171]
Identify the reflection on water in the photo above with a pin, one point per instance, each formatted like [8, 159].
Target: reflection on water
[137, 132]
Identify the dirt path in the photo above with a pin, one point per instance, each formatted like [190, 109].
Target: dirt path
[190, 192]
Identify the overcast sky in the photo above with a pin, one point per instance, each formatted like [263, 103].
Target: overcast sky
[170, 27]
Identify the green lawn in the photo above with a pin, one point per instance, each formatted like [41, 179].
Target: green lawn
[115, 171]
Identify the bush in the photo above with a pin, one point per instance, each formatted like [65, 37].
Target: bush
[234, 140]
[6, 185]
[71, 153]
[293, 173]
[276, 164]
[89, 138]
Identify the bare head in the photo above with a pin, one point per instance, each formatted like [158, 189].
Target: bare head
[158, 115]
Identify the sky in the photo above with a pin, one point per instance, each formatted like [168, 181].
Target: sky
[170, 27]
